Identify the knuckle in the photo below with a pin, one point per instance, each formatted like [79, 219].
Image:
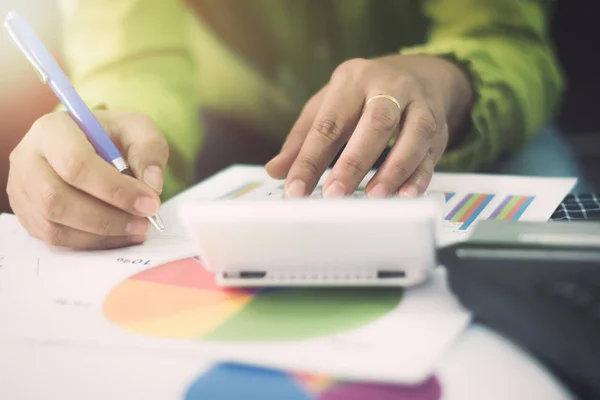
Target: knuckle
[309, 165]
[353, 165]
[421, 172]
[104, 225]
[426, 126]
[52, 206]
[42, 122]
[328, 130]
[406, 81]
[431, 153]
[162, 146]
[142, 119]
[384, 119]
[47, 122]
[118, 195]
[52, 234]
[311, 103]
[72, 169]
[152, 137]
[400, 171]
[352, 67]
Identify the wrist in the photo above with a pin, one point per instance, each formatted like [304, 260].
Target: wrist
[459, 97]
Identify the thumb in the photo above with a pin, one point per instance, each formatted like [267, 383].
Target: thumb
[144, 146]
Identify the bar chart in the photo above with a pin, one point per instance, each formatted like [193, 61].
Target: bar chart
[473, 206]
[468, 209]
[512, 207]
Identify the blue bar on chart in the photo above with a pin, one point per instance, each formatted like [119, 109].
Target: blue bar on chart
[468, 209]
[512, 207]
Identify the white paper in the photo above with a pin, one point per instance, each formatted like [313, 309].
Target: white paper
[43, 370]
[58, 295]
[61, 296]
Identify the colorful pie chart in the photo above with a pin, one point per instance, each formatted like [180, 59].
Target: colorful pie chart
[235, 382]
[180, 299]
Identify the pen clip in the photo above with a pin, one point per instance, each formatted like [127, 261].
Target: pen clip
[11, 24]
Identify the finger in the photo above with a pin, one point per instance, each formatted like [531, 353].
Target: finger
[378, 124]
[60, 203]
[415, 140]
[63, 236]
[329, 131]
[144, 146]
[55, 234]
[280, 165]
[73, 158]
[418, 182]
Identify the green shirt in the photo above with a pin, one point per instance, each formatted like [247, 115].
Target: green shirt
[258, 61]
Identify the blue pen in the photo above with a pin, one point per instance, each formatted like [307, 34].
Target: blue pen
[49, 72]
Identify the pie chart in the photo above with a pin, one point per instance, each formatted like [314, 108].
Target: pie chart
[234, 381]
[180, 299]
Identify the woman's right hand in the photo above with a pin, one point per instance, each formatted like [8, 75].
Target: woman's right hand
[64, 193]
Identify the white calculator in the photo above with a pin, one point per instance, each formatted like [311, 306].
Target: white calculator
[261, 239]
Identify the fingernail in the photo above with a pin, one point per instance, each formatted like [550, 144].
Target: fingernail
[137, 227]
[153, 176]
[296, 189]
[146, 206]
[410, 191]
[137, 238]
[379, 190]
[335, 189]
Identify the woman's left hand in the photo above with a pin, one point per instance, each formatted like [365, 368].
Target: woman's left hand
[420, 100]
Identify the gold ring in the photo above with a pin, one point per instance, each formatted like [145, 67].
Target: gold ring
[385, 96]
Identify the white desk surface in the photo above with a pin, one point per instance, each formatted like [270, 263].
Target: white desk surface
[480, 365]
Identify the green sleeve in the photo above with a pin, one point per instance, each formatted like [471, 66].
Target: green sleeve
[134, 55]
[505, 48]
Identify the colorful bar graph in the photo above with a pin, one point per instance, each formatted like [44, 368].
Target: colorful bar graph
[501, 207]
[512, 207]
[468, 209]
[470, 216]
[458, 207]
[241, 191]
[469, 205]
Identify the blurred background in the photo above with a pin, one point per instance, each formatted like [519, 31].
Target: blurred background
[575, 29]
[22, 96]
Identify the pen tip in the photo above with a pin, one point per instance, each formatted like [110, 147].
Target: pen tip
[157, 223]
